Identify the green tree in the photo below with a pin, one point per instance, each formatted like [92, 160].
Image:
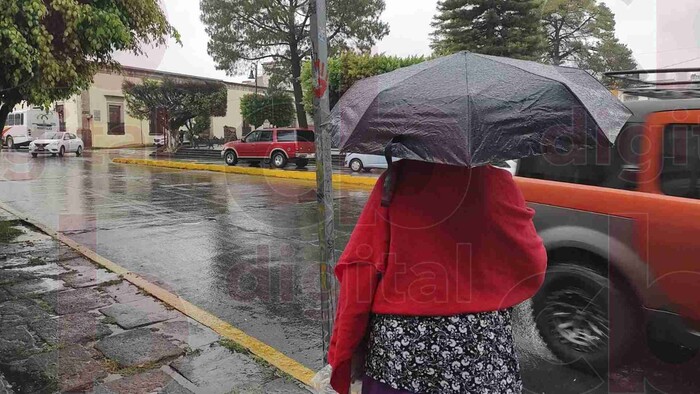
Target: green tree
[350, 67]
[573, 27]
[275, 107]
[582, 33]
[253, 109]
[608, 55]
[50, 50]
[509, 28]
[251, 30]
[183, 101]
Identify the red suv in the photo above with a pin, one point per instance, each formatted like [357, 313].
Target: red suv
[279, 146]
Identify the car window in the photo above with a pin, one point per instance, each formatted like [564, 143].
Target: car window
[606, 166]
[10, 120]
[265, 136]
[21, 119]
[73, 136]
[286, 136]
[305, 136]
[66, 136]
[681, 160]
[252, 137]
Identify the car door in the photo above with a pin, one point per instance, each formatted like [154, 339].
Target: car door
[246, 148]
[74, 142]
[66, 142]
[264, 145]
[669, 229]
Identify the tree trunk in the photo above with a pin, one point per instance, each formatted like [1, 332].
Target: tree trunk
[173, 138]
[298, 90]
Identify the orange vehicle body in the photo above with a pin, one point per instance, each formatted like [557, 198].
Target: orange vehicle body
[666, 228]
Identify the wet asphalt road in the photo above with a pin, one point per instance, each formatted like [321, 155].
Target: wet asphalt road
[244, 249]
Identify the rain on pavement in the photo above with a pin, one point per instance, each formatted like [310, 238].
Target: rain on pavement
[244, 248]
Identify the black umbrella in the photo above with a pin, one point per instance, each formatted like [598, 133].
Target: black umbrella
[468, 109]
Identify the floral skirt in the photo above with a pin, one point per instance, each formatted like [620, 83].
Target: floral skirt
[470, 353]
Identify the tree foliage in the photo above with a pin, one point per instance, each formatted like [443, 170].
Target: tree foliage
[608, 55]
[573, 27]
[50, 50]
[275, 107]
[182, 100]
[582, 33]
[509, 28]
[252, 30]
[350, 67]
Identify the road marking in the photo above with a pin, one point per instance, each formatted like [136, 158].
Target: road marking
[264, 351]
[306, 176]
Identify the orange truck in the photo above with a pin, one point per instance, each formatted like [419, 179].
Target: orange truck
[622, 228]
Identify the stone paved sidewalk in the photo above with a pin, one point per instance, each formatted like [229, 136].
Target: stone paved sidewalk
[68, 326]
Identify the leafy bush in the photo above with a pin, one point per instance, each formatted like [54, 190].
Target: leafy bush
[276, 107]
[350, 67]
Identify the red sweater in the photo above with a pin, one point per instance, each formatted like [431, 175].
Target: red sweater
[454, 240]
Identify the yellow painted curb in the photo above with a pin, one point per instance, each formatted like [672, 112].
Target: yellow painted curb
[306, 176]
[255, 346]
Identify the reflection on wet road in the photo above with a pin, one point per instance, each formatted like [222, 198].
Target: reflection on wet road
[244, 249]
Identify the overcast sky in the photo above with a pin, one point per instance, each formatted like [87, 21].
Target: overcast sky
[661, 33]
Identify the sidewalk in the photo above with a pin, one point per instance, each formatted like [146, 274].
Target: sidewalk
[67, 326]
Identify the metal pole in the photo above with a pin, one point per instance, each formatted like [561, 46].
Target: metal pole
[324, 168]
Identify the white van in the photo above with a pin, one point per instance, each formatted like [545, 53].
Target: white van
[27, 124]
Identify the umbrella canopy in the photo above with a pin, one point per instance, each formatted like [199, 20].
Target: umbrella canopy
[469, 109]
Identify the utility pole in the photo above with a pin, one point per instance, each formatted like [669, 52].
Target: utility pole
[324, 168]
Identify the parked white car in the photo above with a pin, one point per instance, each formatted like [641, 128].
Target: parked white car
[159, 140]
[23, 126]
[56, 144]
[361, 162]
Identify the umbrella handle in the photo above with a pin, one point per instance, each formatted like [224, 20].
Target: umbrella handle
[391, 176]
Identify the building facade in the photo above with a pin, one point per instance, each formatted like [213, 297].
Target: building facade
[101, 109]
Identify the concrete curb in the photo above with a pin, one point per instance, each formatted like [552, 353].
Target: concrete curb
[305, 176]
[268, 353]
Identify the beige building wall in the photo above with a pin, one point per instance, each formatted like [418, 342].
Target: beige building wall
[233, 116]
[106, 91]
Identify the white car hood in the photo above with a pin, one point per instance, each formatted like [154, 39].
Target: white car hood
[46, 141]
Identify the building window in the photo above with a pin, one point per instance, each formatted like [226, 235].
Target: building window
[61, 117]
[115, 126]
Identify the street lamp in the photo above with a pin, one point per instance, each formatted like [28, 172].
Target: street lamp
[254, 75]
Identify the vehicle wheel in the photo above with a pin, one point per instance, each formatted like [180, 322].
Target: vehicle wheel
[35, 154]
[356, 165]
[279, 160]
[10, 143]
[302, 163]
[79, 152]
[62, 151]
[230, 158]
[575, 310]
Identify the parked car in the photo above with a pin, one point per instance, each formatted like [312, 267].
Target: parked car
[159, 140]
[621, 225]
[279, 146]
[56, 144]
[22, 124]
[361, 162]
